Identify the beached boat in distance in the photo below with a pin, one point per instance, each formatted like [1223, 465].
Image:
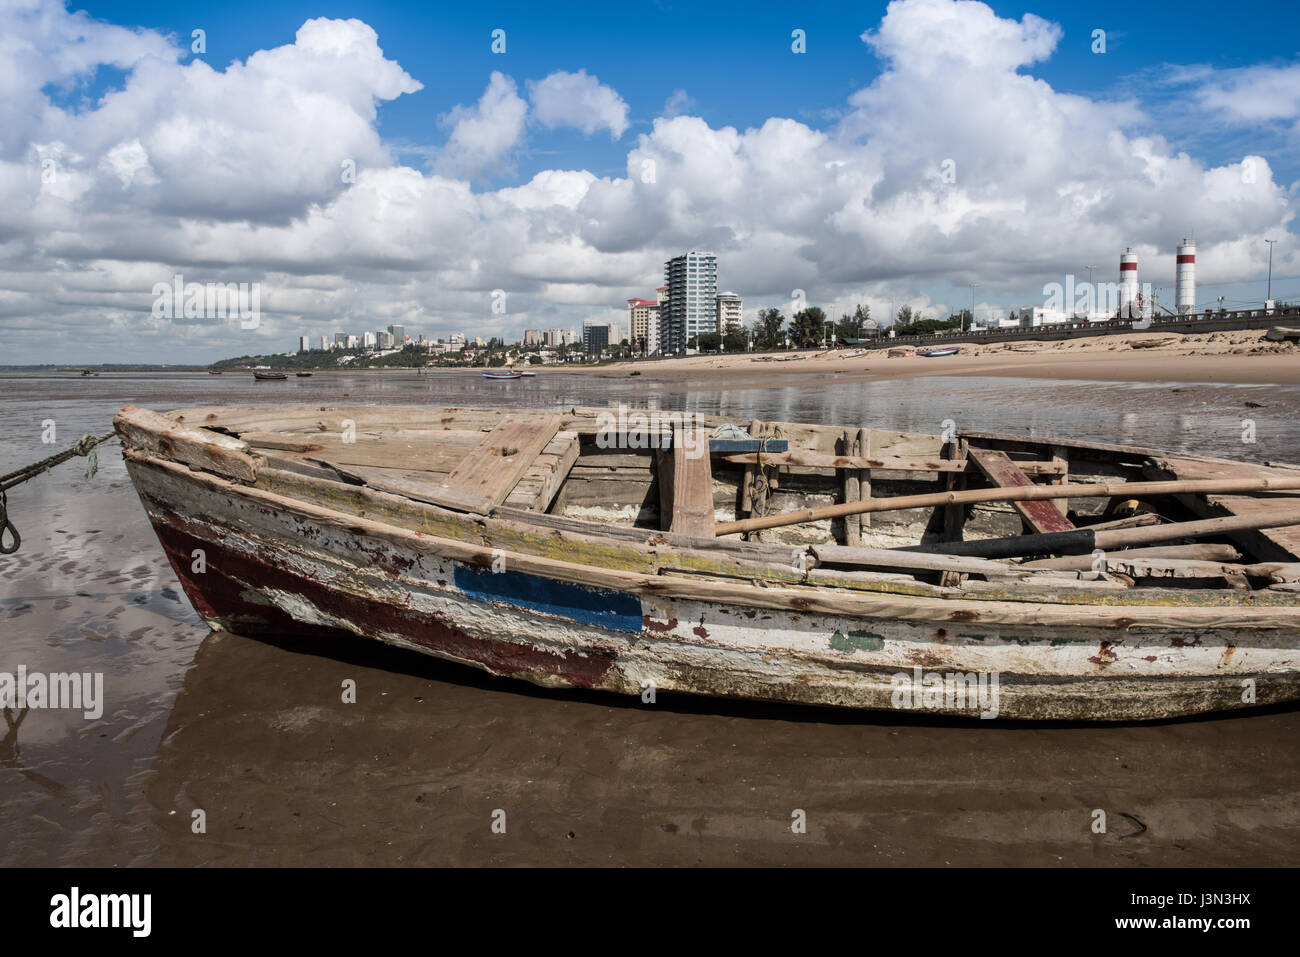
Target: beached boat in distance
[303, 375]
[937, 352]
[596, 550]
[270, 376]
[87, 373]
[214, 372]
[502, 374]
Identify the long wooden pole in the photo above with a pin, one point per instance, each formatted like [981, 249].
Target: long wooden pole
[1015, 494]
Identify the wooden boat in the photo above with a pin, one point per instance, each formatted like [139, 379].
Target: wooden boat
[503, 374]
[303, 375]
[937, 352]
[214, 372]
[270, 376]
[86, 373]
[603, 550]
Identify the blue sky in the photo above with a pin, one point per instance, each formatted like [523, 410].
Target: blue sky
[1190, 89]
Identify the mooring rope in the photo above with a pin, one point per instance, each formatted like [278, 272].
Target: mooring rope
[86, 445]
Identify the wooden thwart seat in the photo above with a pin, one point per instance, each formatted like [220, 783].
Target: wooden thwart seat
[1043, 516]
[686, 484]
[488, 475]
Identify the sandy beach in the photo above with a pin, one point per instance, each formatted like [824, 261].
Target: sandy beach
[1228, 357]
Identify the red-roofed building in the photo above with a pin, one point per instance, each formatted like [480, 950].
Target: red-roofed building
[643, 325]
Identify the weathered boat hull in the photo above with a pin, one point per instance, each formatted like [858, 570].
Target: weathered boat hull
[273, 566]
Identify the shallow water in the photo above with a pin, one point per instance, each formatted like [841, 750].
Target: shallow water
[255, 735]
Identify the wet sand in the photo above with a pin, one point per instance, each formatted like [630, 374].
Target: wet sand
[256, 735]
[414, 771]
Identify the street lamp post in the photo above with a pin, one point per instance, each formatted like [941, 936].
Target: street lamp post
[972, 307]
[1269, 295]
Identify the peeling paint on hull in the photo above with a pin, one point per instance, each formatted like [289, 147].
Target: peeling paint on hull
[275, 571]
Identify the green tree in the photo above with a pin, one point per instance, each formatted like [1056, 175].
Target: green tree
[809, 326]
[853, 326]
[767, 328]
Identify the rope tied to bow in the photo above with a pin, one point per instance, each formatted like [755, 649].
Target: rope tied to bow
[87, 445]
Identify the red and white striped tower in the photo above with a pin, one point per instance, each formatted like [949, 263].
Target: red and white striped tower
[1185, 278]
[1128, 283]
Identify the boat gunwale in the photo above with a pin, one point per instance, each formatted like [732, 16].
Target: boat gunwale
[1283, 612]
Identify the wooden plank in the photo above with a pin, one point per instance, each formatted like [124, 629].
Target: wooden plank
[890, 559]
[818, 460]
[541, 483]
[1199, 552]
[759, 480]
[1042, 516]
[1061, 455]
[165, 438]
[409, 483]
[489, 473]
[747, 484]
[281, 441]
[954, 515]
[433, 452]
[852, 493]
[686, 487]
[864, 475]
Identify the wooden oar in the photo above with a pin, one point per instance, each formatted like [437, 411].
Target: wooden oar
[1081, 541]
[1016, 494]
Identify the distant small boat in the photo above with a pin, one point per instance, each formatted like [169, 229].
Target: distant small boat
[503, 375]
[270, 376]
[214, 372]
[937, 353]
[88, 373]
[527, 374]
[302, 375]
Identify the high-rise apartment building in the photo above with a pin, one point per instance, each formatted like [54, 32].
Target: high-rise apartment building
[691, 308]
[729, 312]
[304, 344]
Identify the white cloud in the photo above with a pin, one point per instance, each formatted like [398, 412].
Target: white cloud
[954, 165]
[579, 101]
[483, 135]
[676, 104]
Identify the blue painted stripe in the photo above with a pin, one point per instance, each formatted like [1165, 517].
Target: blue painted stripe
[593, 606]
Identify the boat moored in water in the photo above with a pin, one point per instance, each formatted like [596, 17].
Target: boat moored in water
[270, 376]
[503, 374]
[969, 574]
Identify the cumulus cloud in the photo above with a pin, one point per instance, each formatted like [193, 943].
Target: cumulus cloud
[579, 101]
[483, 135]
[956, 164]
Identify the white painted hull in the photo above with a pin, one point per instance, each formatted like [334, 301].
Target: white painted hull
[273, 567]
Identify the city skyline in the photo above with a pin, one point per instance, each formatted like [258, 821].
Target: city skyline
[546, 183]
